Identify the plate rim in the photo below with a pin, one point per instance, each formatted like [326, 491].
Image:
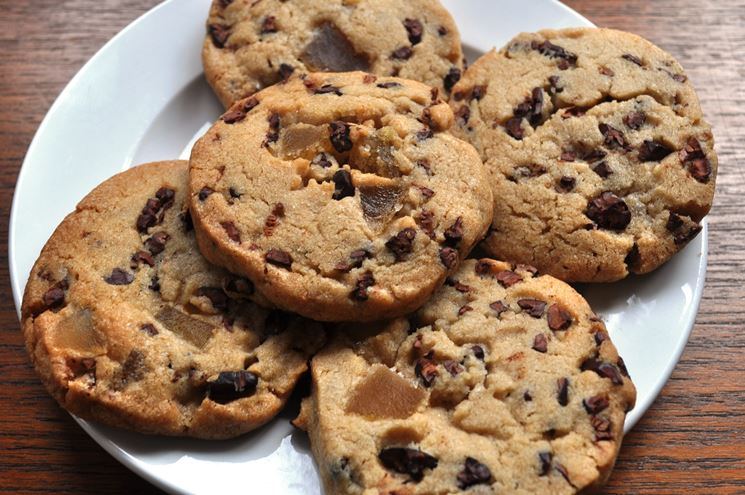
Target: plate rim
[139, 467]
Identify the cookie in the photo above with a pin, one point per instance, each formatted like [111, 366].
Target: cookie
[340, 196]
[252, 45]
[597, 150]
[128, 325]
[505, 382]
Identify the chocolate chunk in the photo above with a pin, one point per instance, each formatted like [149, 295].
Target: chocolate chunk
[454, 233]
[407, 461]
[545, 459]
[558, 318]
[499, 307]
[473, 473]
[568, 156]
[141, 257]
[570, 112]
[464, 309]
[508, 278]
[548, 49]
[327, 89]
[605, 370]
[483, 267]
[340, 136]
[633, 258]
[448, 257]
[331, 51]
[614, 138]
[119, 277]
[205, 192]
[694, 158]
[632, 58]
[219, 34]
[635, 120]
[463, 114]
[343, 186]
[279, 258]
[527, 397]
[513, 127]
[452, 77]
[553, 85]
[285, 72]
[478, 92]
[217, 297]
[536, 110]
[674, 222]
[356, 258]
[602, 169]
[238, 287]
[595, 404]
[148, 217]
[53, 298]
[426, 369]
[602, 427]
[157, 243]
[565, 184]
[232, 231]
[388, 85]
[424, 134]
[232, 385]
[234, 194]
[426, 221]
[269, 25]
[606, 71]
[652, 151]
[478, 352]
[402, 53]
[442, 30]
[322, 160]
[622, 367]
[540, 343]
[600, 337]
[594, 155]
[272, 135]
[149, 329]
[362, 286]
[533, 307]
[452, 367]
[562, 394]
[132, 370]
[414, 29]
[609, 211]
[402, 243]
[233, 116]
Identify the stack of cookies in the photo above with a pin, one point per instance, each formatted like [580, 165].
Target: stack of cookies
[326, 220]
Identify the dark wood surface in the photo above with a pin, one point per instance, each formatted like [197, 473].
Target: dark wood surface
[692, 440]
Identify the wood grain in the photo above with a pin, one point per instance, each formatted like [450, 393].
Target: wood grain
[691, 441]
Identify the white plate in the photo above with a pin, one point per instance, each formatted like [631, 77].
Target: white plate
[142, 97]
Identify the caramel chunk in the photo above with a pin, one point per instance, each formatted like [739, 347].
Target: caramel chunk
[385, 394]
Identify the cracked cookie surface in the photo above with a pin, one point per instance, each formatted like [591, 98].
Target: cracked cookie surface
[127, 324]
[600, 159]
[504, 382]
[341, 196]
[252, 45]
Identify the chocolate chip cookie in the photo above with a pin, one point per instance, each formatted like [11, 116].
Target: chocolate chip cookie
[504, 382]
[597, 149]
[128, 325]
[252, 45]
[340, 196]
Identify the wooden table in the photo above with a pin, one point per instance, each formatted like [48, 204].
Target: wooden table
[692, 440]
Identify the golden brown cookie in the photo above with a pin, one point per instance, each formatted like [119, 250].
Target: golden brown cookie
[599, 154]
[341, 196]
[252, 45]
[504, 382]
[128, 325]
